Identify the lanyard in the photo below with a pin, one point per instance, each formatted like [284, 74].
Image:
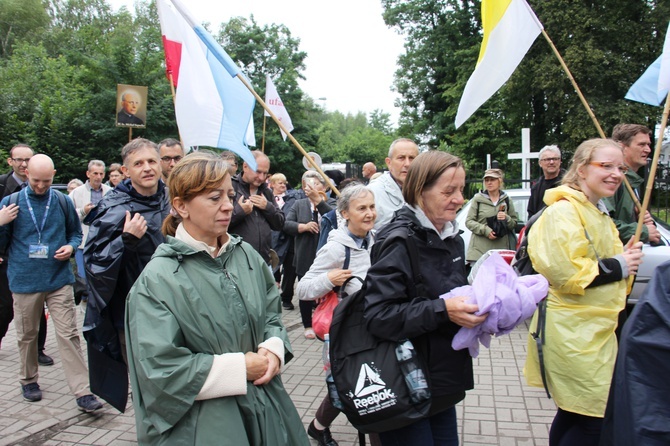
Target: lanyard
[32, 215]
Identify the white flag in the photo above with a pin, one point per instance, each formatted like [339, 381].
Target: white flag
[275, 104]
[212, 105]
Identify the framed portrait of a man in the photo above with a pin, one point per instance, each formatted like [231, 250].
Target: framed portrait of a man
[131, 106]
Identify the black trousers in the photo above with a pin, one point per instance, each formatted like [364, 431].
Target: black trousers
[7, 309]
[289, 276]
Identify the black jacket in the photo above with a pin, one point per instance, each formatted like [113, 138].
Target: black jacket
[637, 410]
[114, 260]
[256, 227]
[394, 310]
[305, 242]
[537, 190]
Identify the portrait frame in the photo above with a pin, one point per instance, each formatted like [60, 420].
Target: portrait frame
[131, 106]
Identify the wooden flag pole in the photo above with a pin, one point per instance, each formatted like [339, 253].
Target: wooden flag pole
[652, 171]
[588, 108]
[265, 118]
[288, 133]
[130, 134]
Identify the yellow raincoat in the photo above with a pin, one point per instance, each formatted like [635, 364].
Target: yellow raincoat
[580, 346]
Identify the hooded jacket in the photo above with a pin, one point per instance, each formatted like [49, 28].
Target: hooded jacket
[580, 345]
[388, 198]
[316, 284]
[482, 208]
[395, 310]
[199, 307]
[114, 260]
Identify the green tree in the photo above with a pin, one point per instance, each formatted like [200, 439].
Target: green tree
[443, 38]
[20, 20]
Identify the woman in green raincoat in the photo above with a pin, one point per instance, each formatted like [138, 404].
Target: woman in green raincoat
[205, 339]
[575, 245]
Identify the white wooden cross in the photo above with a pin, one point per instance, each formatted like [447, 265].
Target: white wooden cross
[525, 156]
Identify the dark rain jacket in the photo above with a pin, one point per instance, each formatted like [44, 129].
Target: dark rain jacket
[114, 261]
[395, 311]
[637, 411]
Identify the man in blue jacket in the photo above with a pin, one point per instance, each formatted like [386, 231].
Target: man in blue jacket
[41, 236]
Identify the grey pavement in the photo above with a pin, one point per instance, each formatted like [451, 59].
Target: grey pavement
[501, 409]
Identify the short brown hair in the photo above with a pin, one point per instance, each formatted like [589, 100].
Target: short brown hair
[424, 171]
[135, 145]
[624, 133]
[196, 174]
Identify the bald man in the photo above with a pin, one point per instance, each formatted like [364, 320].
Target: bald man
[369, 169]
[256, 214]
[40, 230]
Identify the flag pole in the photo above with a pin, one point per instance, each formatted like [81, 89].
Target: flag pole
[652, 171]
[288, 133]
[265, 118]
[587, 107]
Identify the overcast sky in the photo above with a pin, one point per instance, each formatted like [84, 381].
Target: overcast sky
[351, 54]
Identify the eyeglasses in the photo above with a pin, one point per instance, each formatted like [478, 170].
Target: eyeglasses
[609, 167]
[167, 159]
[551, 159]
[21, 160]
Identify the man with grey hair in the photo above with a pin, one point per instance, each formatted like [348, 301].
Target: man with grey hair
[552, 174]
[85, 198]
[125, 230]
[388, 187]
[256, 214]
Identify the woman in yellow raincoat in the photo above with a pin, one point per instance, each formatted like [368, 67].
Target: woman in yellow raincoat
[575, 245]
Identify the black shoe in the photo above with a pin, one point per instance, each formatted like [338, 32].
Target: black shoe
[43, 359]
[287, 306]
[31, 392]
[322, 437]
[88, 404]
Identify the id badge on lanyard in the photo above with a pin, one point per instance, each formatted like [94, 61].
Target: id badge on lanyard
[38, 250]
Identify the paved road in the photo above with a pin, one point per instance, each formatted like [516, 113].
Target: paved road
[501, 410]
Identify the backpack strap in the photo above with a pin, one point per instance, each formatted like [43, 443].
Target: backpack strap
[539, 337]
[345, 265]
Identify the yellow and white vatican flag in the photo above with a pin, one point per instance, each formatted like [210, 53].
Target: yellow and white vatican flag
[510, 28]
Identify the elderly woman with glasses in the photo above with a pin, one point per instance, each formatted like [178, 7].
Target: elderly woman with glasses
[576, 246]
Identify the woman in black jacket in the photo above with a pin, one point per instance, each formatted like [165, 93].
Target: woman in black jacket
[395, 310]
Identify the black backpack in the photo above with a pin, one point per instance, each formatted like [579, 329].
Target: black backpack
[369, 382]
[522, 264]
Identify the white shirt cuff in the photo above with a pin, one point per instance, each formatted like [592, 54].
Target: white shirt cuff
[227, 377]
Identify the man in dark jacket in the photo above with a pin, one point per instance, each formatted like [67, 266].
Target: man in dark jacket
[11, 182]
[255, 215]
[636, 142]
[552, 174]
[125, 230]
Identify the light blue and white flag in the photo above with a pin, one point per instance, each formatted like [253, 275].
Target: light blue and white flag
[213, 107]
[652, 87]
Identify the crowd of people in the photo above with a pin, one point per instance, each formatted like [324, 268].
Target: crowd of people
[211, 257]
